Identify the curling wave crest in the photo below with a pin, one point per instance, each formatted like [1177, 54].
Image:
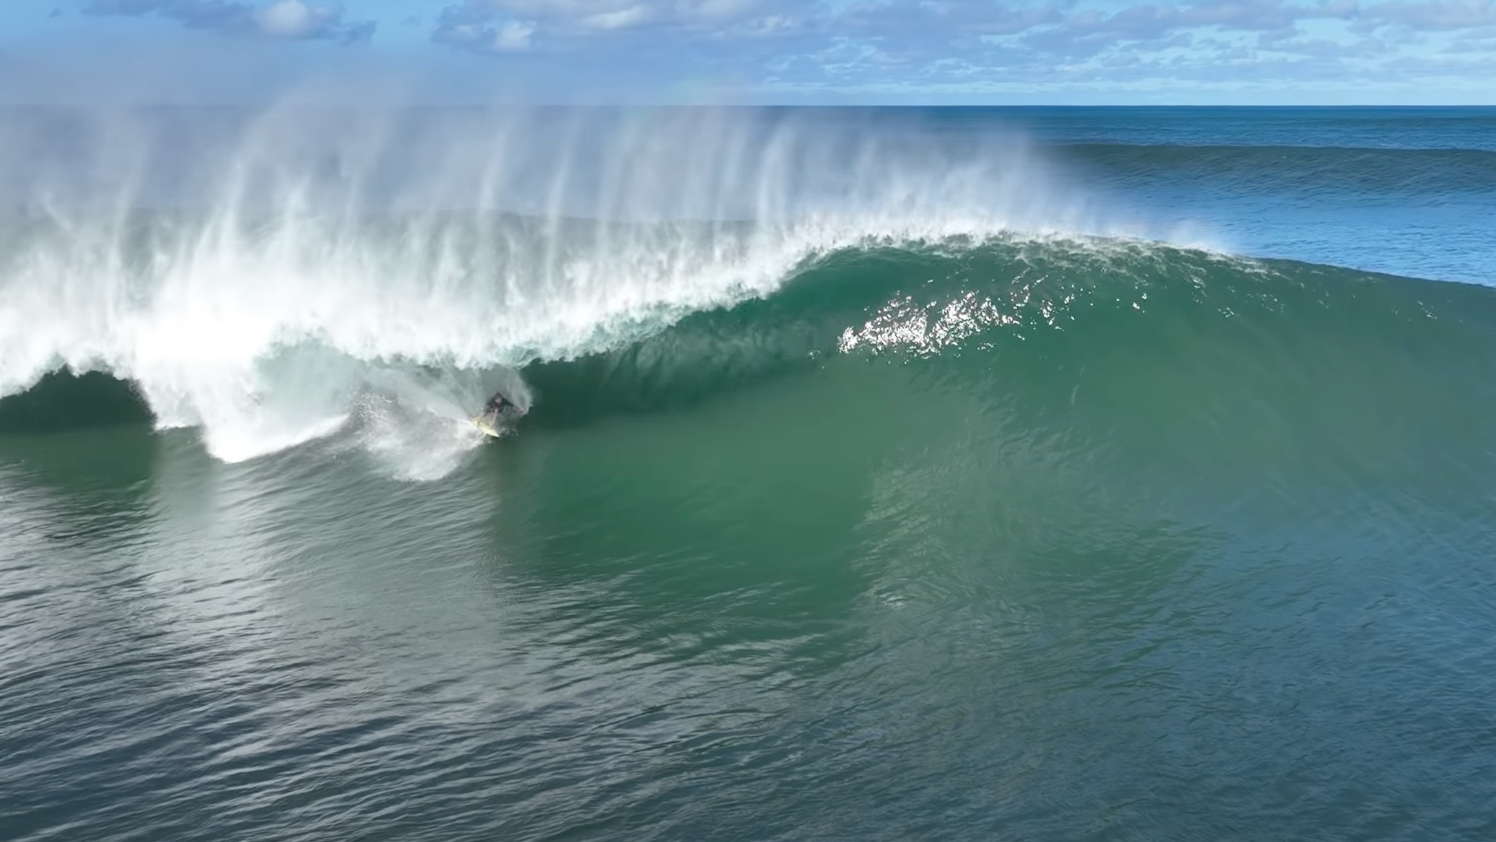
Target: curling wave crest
[280, 276]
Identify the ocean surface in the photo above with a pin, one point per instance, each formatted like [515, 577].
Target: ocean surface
[886, 474]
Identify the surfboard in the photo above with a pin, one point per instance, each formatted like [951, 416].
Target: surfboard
[486, 428]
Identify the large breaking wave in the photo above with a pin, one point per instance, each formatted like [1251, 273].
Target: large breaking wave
[273, 277]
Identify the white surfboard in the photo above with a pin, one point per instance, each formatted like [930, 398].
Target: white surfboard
[482, 423]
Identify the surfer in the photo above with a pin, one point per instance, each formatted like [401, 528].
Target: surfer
[496, 405]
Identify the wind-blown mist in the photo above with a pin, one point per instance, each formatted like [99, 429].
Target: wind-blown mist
[272, 276]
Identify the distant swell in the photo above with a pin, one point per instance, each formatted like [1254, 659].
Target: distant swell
[1295, 169]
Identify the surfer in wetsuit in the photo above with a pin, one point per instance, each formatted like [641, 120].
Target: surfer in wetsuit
[496, 405]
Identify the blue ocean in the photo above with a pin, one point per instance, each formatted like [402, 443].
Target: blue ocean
[876, 474]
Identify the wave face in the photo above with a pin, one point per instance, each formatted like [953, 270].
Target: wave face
[1111, 364]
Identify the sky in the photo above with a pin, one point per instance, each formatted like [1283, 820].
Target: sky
[1249, 52]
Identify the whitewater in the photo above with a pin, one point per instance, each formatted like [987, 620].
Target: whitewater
[278, 276]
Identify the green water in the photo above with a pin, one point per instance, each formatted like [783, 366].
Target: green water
[1023, 541]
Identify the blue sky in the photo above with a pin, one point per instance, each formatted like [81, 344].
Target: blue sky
[865, 51]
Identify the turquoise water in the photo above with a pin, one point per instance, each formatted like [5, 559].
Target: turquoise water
[885, 520]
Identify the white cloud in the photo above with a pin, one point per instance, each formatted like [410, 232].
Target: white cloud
[1434, 15]
[289, 19]
[513, 36]
[621, 19]
[853, 44]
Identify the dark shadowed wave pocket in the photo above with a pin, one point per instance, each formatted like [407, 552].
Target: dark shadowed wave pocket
[63, 400]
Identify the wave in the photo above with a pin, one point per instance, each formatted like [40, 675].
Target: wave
[275, 278]
[1044, 384]
[1141, 357]
[260, 276]
[996, 313]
